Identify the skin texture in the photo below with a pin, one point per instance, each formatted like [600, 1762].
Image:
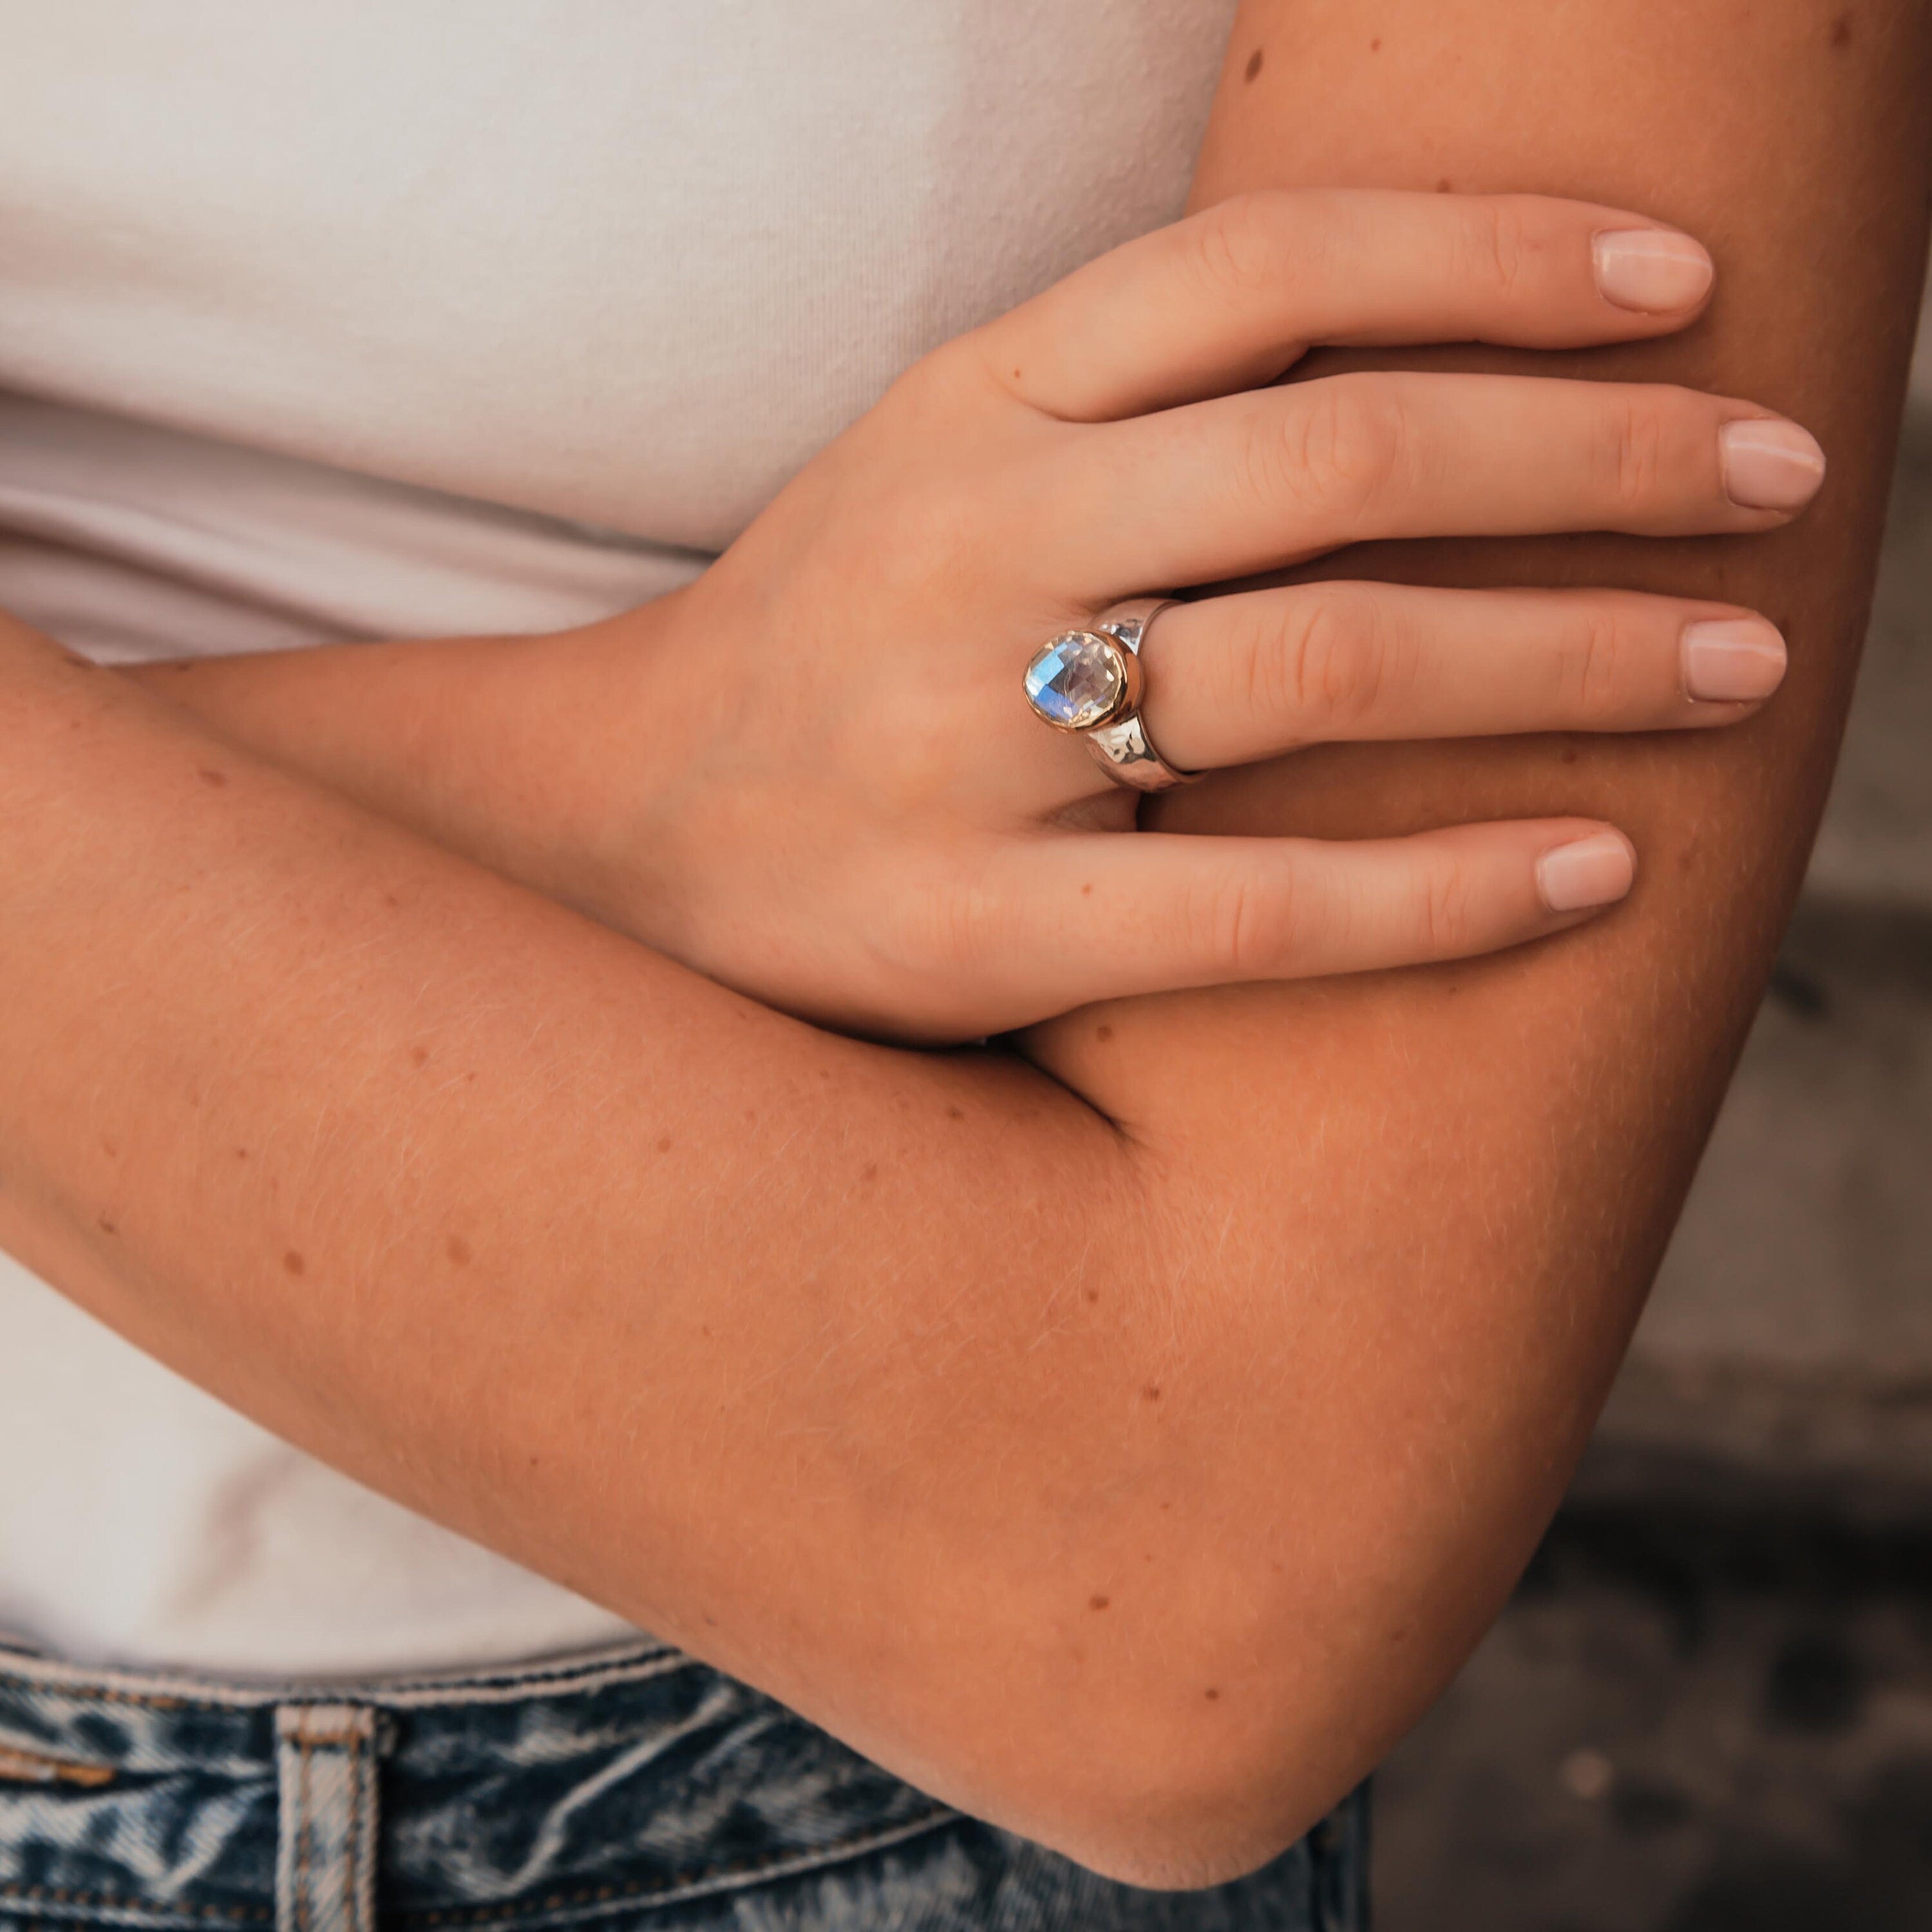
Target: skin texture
[805, 828]
[1143, 1513]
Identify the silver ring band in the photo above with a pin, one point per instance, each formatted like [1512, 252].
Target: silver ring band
[1090, 682]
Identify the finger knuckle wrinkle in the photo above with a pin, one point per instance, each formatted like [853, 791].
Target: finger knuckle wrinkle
[1601, 662]
[1337, 450]
[1247, 925]
[1237, 250]
[1499, 244]
[1448, 912]
[1635, 445]
[1345, 664]
[940, 932]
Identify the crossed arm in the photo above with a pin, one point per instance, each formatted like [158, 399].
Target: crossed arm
[1124, 1438]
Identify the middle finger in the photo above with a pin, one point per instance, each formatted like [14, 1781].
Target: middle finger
[1255, 482]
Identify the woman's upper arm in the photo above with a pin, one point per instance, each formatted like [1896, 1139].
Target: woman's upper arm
[1450, 1187]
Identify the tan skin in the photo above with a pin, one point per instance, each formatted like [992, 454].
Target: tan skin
[1142, 1524]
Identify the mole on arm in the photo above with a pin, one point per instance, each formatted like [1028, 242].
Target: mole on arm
[209, 775]
[1841, 32]
[1254, 66]
[459, 1251]
[294, 1263]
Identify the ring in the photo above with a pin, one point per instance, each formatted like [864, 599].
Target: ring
[1090, 682]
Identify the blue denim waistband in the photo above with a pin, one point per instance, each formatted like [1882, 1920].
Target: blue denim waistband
[639, 1784]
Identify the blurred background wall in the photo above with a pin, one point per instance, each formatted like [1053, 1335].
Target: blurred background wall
[1709, 1707]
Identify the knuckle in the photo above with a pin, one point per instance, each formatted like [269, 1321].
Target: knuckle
[1236, 247]
[1446, 913]
[1342, 663]
[1248, 926]
[1633, 452]
[1337, 449]
[1499, 244]
[1601, 664]
[936, 930]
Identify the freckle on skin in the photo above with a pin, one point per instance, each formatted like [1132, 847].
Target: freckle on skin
[1212, 1694]
[1376, 46]
[1151, 1393]
[663, 1144]
[955, 1113]
[1254, 66]
[209, 775]
[391, 900]
[1442, 186]
[108, 1147]
[294, 1263]
[1093, 1294]
[871, 1172]
[418, 1056]
[1098, 1602]
[1103, 1033]
[1086, 890]
[241, 1154]
[1841, 32]
[459, 1251]
[106, 1226]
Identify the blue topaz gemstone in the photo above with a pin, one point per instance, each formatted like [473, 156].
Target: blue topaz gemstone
[1077, 681]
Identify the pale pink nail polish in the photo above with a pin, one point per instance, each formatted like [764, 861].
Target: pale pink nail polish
[1770, 464]
[1732, 660]
[1593, 871]
[1652, 270]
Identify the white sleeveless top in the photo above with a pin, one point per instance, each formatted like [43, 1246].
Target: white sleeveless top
[438, 317]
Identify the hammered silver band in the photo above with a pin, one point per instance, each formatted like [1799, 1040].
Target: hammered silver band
[1121, 747]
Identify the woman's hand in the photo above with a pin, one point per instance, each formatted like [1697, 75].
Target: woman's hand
[843, 805]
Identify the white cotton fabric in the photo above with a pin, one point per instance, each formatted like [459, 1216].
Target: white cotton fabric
[437, 316]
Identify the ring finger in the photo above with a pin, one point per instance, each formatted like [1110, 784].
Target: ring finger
[1233, 678]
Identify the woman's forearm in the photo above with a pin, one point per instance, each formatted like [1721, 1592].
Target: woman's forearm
[521, 753]
[825, 1360]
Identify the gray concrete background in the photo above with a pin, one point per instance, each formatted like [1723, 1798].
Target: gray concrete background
[1709, 1708]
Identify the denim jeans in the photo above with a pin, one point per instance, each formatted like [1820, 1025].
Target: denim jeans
[638, 1789]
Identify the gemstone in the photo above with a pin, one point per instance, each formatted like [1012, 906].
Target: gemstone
[1077, 681]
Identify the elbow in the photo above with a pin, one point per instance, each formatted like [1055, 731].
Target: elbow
[1168, 1822]
[1209, 1772]
[1198, 1743]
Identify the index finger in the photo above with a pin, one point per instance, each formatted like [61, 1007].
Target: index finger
[1231, 297]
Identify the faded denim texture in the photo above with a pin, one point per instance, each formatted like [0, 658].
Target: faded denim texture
[645, 1789]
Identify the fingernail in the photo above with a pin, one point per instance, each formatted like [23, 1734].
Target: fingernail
[1732, 660]
[1592, 871]
[1770, 464]
[1652, 270]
